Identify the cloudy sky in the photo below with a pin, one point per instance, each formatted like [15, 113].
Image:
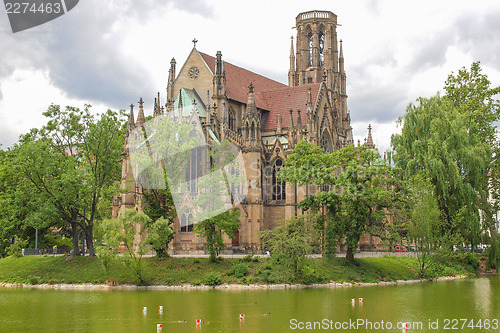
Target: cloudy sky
[110, 53]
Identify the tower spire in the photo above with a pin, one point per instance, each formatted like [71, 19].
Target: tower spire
[369, 140]
[291, 73]
[140, 117]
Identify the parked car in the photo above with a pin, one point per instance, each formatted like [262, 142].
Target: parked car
[400, 248]
[414, 248]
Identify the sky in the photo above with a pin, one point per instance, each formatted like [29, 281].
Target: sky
[111, 53]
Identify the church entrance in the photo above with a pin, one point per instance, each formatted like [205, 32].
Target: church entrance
[236, 238]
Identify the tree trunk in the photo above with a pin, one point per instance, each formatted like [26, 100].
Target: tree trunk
[74, 234]
[90, 240]
[349, 255]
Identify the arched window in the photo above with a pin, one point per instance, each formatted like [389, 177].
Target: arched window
[252, 131]
[183, 223]
[279, 188]
[232, 120]
[186, 223]
[310, 46]
[321, 36]
[193, 168]
[325, 142]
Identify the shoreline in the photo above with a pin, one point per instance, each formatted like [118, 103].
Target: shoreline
[190, 287]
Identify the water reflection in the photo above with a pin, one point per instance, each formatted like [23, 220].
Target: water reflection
[24, 310]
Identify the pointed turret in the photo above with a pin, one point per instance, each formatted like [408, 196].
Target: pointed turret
[291, 132]
[171, 79]
[299, 126]
[140, 117]
[131, 122]
[219, 81]
[291, 72]
[342, 71]
[278, 123]
[181, 106]
[251, 120]
[157, 111]
[369, 140]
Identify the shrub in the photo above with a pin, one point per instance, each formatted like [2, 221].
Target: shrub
[16, 248]
[248, 257]
[240, 270]
[213, 279]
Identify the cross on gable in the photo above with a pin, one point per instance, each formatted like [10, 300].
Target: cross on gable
[194, 42]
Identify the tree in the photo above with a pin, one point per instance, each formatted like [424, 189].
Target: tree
[159, 235]
[435, 142]
[354, 186]
[425, 222]
[71, 162]
[128, 230]
[472, 95]
[289, 244]
[48, 186]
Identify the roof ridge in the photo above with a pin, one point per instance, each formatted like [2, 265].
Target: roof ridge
[239, 67]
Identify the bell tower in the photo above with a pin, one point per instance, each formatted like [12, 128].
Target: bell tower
[317, 49]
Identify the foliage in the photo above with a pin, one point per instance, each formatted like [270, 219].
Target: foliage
[425, 222]
[289, 244]
[213, 279]
[471, 95]
[122, 232]
[435, 143]
[213, 228]
[67, 167]
[15, 249]
[355, 191]
[159, 235]
[240, 270]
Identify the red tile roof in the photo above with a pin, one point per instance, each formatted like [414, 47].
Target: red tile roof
[269, 94]
[238, 79]
[280, 101]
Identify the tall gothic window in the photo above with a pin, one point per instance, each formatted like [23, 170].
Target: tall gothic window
[279, 188]
[186, 223]
[193, 168]
[310, 44]
[321, 48]
[325, 143]
[231, 120]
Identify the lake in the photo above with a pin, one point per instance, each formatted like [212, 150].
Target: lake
[466, 305]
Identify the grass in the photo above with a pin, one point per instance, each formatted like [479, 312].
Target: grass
[196, 271]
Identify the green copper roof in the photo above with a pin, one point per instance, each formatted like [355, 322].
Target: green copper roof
[190, 101]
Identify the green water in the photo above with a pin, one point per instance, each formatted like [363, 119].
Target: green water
[25, 310]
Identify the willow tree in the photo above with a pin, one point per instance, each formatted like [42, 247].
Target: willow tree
[354, 189]
[435, 142]
[471, 94]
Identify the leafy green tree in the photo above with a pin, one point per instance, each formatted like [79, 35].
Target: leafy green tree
[159, 235]
[128, 231]
[425, 223]
[289, 244]
[435, 142]
[213, 228]
[48, 186]
[355, 189]
[471, 93]
[68, 167]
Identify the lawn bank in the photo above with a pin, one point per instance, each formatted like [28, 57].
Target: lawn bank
[231, 273]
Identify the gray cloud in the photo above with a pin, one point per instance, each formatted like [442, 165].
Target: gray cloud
[478, 35]
[79, 50]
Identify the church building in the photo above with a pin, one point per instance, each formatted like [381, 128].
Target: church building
[265, 118]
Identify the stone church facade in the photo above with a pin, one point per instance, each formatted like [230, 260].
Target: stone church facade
[264, 117]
